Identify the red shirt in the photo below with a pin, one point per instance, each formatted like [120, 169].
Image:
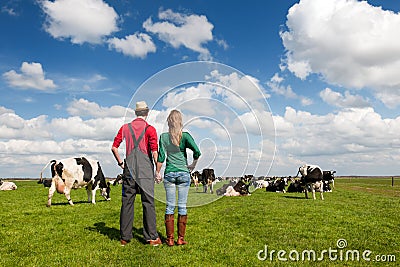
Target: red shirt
[149, 142]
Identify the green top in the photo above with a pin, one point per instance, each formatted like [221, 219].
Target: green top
[176, 156]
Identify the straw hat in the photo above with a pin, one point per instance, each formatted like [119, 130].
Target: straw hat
[141, 105]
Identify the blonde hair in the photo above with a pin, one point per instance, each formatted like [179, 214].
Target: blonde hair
[175, 126]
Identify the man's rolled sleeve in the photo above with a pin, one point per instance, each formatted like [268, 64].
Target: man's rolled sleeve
[152, 139]
[118, 139]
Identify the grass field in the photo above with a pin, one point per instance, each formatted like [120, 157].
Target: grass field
[230, 231]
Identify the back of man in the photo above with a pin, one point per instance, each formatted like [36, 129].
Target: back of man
[138, 172]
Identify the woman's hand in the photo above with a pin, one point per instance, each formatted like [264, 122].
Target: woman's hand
[192, 166]
[158, 177]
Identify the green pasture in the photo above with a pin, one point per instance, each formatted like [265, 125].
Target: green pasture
[258, 230]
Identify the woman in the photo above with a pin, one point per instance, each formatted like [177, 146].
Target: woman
[172, 148]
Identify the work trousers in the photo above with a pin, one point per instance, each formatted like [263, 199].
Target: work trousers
[144, 187]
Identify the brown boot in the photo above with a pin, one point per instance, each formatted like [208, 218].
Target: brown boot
[182, 220]
[169, 228]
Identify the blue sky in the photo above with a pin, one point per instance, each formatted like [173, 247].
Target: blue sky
[264, 87]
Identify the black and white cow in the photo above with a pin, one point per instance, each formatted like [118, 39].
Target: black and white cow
[277, 184]
[45, 182]
[295, 186]
[311, 179]
[223, 189]
[242, 187]
[74, 173]
[6, 186]
[117, 180]
[329, 177]
[207, 179]
[195, 179]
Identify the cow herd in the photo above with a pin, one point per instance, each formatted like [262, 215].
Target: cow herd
[81, 172]
[313, 179]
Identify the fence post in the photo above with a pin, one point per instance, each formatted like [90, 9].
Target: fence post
[392, 181]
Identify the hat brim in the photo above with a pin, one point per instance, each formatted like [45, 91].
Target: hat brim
[141, 109]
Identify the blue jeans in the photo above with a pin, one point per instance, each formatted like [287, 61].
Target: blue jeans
[176, 181]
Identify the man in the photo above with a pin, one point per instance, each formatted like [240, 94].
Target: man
[138, 172]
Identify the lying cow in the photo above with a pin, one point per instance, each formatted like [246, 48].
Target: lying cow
[277, 185]
[260, 184]
[242, 187]
[74, 173]
[6, 186]
[311, 179]
[295, 186]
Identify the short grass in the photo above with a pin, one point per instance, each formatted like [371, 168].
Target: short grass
[229, 231]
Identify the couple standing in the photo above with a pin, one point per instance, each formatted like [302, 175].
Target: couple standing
[142, 150]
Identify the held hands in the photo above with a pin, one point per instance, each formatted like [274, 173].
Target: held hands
[158, 177]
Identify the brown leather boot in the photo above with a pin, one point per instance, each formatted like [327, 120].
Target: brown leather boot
[182, 220]
[169, 228]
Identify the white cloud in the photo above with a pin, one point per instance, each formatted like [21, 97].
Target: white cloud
[177, 29]
[275, 84]
[353, 141]
[13, 126]
[389, 96]
[76, 127]
[135, 45]
[223, 44]
[80, 20]
[83, 107]
[343, 101]
[31, 76]
[9, 10]
[352, 130]
[191, 98]
[240, 91]
[348, 42]
[4, 110]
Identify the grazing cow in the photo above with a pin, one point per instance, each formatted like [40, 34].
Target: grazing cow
[6, 186]
[311, 179]
[207, 179]
[74, 173]
[195, 176]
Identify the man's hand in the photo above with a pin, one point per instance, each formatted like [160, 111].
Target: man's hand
[158, 177]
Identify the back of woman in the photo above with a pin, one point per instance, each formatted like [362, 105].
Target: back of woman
[172, 150]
